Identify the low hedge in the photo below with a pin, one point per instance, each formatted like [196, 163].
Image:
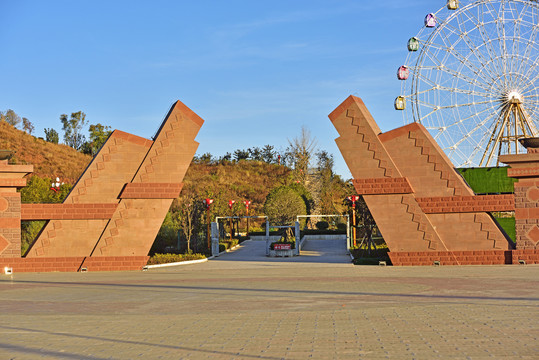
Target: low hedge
[322, 232]
[226, 244]
[363, 257]
[172, 258]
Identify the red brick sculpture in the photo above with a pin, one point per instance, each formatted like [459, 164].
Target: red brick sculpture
[113, 213]
[424, 209]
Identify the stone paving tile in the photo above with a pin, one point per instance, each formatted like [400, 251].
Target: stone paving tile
[246, 306]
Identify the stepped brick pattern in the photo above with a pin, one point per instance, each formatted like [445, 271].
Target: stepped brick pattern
[113, 213]
[434, 206]
[101, 183]
[404, 226]
[167, 162]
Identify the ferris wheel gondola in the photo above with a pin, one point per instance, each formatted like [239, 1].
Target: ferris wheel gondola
[471, 77]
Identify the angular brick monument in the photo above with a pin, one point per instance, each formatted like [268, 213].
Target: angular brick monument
[423, 207]
[115, 210]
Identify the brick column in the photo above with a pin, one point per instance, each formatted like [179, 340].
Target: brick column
[11, 178]
[525, 168]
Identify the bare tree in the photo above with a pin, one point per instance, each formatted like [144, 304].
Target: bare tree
[191, 209]
[27, 125]
[10, 117]
[301, 150]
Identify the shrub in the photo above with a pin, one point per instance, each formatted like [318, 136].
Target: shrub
[226, 244]
[172, 258]
[283, 204]
[363, 257]
[322, 225]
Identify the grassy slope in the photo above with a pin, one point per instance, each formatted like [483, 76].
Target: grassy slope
[49, 160]
[246, 180]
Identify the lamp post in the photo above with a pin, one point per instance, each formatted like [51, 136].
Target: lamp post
[208, 202]
[230, 205]
[353, 199]
[247, 203]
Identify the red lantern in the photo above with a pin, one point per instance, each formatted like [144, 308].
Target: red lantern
[208, 202]
[353, 199]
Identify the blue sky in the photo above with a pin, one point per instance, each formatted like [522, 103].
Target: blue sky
[255, 71]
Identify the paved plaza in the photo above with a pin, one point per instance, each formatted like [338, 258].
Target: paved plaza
[243, 305]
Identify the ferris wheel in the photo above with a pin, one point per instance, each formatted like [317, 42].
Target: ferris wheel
[471, 78]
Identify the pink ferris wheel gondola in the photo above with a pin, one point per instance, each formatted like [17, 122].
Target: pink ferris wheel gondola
[403, 73]
[430, 20]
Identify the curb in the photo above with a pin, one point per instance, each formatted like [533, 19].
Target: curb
[176, 263]
[190, 262]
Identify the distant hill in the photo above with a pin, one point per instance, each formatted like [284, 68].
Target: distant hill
[49, 160]
[243, 180]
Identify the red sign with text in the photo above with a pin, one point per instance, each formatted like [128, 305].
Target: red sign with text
[282, 246]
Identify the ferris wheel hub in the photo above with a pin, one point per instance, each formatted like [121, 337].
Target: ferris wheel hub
[514, 97]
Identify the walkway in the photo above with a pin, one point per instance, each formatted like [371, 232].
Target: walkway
[246, 306]
[313, 251]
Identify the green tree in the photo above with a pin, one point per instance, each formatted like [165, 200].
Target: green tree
[268, 154]
[29, 231]
[305, 195]
[98, 135]
[167, 236]
[325, 164]
[283, 204]
[11, 117]
[27, 125]
[73, 129]
[241, 155]
[255, 153]
[51, 135]
[38, 190]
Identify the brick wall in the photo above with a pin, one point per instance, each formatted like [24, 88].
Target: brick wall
[73, 264]
[151, 191]
[475, 257]
[378, 186]
[67, 211]
[530, 256]
[527, 214]
[10, 224]
[464, 204]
